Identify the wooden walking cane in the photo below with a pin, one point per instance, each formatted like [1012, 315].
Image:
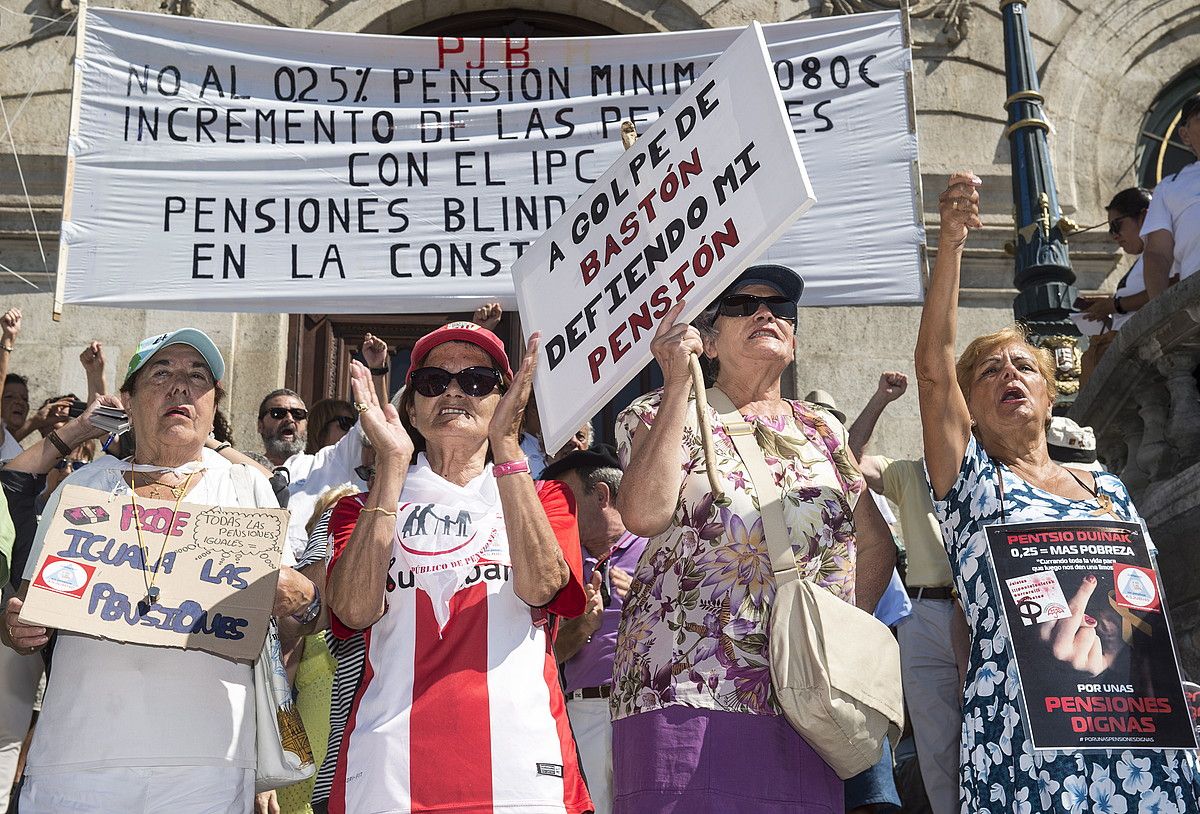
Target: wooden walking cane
[629, 135]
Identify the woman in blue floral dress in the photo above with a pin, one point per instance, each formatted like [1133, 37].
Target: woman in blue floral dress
[984, 421]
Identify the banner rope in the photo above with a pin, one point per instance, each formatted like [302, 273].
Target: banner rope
[8, 133]
[24, 189]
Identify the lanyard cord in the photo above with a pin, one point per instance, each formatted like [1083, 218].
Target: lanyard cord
[1105, 502]
[999, 488]
[147, 578]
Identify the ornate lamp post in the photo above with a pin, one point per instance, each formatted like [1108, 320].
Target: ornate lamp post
[1043, 275]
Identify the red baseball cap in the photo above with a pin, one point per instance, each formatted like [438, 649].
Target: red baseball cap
[460, 332]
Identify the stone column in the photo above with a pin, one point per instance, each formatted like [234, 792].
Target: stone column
[1154, 453]
[1183, 428]
[1111, 448]
[1132, 474]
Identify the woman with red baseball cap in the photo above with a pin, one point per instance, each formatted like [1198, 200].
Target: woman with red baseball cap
[455, 565]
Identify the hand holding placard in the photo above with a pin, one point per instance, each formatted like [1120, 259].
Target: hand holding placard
[677, 350]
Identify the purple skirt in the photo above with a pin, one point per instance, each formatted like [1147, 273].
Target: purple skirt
[683, 760]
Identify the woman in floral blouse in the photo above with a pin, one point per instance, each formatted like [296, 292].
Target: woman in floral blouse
[696, 725]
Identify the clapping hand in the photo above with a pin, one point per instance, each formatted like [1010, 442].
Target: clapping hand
[504, 431]
[380, 424]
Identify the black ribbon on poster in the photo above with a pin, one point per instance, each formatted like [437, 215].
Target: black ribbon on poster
[1086, 617]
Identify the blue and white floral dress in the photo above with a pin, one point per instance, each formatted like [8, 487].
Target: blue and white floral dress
[998, 769]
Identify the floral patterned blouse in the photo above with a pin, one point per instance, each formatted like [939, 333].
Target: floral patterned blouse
[694, 628]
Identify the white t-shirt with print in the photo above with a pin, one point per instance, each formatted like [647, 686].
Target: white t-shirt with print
[110, 704]
[1175, 208]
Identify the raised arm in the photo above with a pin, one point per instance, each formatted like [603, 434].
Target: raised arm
[92, 359]
[10, 327]
[375, 354]
[650, 487]
[892, 385]
[41, 457]
[539, 568]
[359, 576]
[945, 420]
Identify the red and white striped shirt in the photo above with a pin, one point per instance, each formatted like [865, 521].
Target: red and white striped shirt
[472, 721]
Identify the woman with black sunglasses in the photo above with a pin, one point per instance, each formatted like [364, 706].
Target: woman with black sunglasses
[696, 724]
[455, 565]
[1126, 214]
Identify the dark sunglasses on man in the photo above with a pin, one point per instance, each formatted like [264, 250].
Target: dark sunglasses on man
[278, 413]
[62, 464]
[344, 422]
[474, 381]
[365, 473]
[744, 305]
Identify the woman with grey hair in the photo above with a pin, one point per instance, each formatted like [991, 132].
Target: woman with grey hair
[696, 724]
[130, 727]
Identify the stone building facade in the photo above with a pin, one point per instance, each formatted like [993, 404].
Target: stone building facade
[1103, 67]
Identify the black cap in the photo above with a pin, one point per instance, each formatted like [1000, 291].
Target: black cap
[581, 459]
[781, 278]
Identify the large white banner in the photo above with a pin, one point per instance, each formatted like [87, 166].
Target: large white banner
[696, 199]
[222, 166]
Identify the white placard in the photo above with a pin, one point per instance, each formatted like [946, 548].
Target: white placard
[695, 200]
[220, 166]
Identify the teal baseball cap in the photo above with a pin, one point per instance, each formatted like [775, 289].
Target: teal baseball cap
[184, 336]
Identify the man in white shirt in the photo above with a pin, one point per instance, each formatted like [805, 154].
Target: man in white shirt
[282, 425]
[1172, 226]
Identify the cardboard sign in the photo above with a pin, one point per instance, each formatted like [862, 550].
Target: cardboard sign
[215, 576]
[1090, 636]
[696, 199]
[280, 170]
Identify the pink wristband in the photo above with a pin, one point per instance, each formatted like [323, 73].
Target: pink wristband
[510, 468]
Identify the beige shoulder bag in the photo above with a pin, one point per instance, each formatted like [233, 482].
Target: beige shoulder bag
[835, 668]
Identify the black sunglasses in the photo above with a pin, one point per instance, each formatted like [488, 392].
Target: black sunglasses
[1114, 225]
[73, 464]
[277, 413]
[744, 305]
[364, 472]
[344, 422]
[474, 381]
